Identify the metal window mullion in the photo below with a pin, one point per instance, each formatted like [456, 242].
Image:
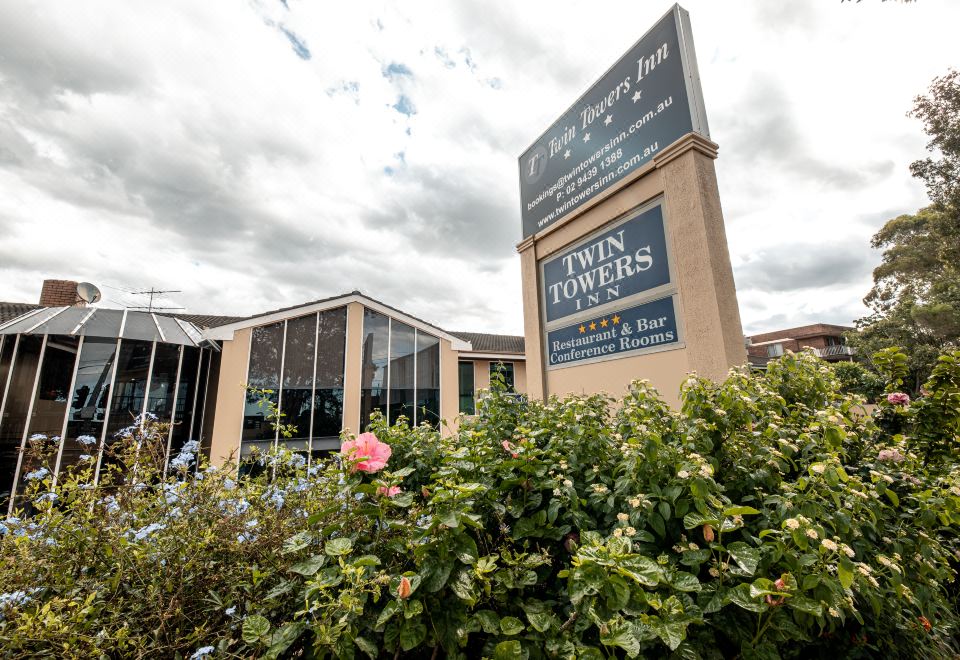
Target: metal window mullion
[313, 388]
[106, 414]
[203, 405]
[173, 412]
[343, 366]
[146, 393]
[26, 426]
[83, 321]
[66, 414]
[196, 392]
[6, 385]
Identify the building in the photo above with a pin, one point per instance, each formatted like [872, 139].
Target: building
[826, 340]
[69, 370]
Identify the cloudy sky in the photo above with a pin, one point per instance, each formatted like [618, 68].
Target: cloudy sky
[260, 154]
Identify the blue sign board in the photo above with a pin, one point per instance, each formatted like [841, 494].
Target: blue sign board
[643, 327]
[620, 262]
[646, 101]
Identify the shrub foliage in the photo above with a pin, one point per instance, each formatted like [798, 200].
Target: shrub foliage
[768, 517]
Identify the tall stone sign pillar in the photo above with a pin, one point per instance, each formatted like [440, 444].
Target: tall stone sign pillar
[625, 266]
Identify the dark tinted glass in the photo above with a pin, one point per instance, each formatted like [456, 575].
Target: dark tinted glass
[186, 399]
[428, 378]
[402, 370]
[88, 402]
[163, 381]
[467, 388]
[373, 378]
[265, 351]
[328, 396]
[298, 379]
[133, 363]
[15, 410]
[6, 356]
[505, 369]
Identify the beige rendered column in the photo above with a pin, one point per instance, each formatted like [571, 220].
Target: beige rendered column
[698, 243]
[532, 330]
[449, 387]
[353, 365]
[231, 398]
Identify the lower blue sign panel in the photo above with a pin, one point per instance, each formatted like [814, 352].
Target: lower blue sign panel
[646, 326]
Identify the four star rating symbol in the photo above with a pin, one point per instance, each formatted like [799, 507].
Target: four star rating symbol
[615, 319]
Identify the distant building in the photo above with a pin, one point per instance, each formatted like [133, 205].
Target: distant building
[826, 340]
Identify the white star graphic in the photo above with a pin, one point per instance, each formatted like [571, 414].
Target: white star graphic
[586, 138]
[606, 122]
[566, 154]
[636, 96]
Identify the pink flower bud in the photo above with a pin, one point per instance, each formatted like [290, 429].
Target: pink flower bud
[405, 589]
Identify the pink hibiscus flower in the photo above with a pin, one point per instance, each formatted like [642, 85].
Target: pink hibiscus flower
[389, 492]
[898, 399]
[510, 448]
[370, 454]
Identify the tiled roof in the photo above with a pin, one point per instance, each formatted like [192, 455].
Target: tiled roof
[11, 310]
[205, 321]
[485, 343]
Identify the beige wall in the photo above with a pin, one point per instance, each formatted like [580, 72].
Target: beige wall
[707, 311]
[231, 395]
[449, 387]
[353, 374]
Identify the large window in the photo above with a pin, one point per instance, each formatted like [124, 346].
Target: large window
[467, 388]
[505, 370]
[16, 406]
[88, 401]
[302, 361]
[400, 373]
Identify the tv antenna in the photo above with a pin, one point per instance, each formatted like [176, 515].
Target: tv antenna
[149, 307]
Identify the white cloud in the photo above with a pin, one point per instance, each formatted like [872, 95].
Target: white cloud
[257, 156]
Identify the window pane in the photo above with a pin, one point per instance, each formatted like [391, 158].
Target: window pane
[88, 404]
[265, 350]
[206, 399]
[298, 379]
[186, 394]
[50, 404]
[401, 372]
[428, 379]
[132, 366]
[15, 413]
[467, 403]
[163, 380]
[328, 399]
[505, 369]
[6, 356]
[373, 379]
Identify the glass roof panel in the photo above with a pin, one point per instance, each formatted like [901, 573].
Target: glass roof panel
[64, 322]
[140, 325]
[172, 332]
[30, 321]
[104, 323]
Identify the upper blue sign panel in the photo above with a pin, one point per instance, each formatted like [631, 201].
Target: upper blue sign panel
[645, 102]
[618, 263]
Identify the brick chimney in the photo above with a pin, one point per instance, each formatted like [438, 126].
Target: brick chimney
[59, 293]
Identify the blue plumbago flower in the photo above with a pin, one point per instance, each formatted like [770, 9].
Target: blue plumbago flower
[181, 462]
[144, 532]
[313, 470]
[170, 492]
[110, 504]
[229, 484]
[37, 474]
[202, 652]
[38, 437]
[46, 497]
[139, 486]
[50, 541]
[55, 439]
[126, 432]
[15, 599]
[230, 611]
[190, 447]
[145, 417]
[300, 486]
[243, 537]
[251, 523]
[211, 468]
[175, 512]
[275, 496]
[86, 457]
[87, 440]
[296, 461]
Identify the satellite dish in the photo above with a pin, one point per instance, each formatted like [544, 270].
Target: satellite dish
[88, 293]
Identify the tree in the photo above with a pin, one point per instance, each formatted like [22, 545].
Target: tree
[915, 299]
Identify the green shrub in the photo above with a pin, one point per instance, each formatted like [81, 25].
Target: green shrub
[767, 518]
[857, 379]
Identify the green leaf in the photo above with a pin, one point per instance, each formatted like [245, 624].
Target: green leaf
[747, 558]
[412, 634]
[402, 500]
[281, 640]
[806, 605]
[740, 595]
[620, 633]
[466, 549]
[489, 621]
[511, 625]
[845, 573]
[297, 542]
[894, 499]
[337, 547]
[391, 608]
[686, 582]
[255, 627]
[664, 509]
[695, 519]
[508, 650]
[657, 523]
[729, 512]
[403, 472]
[367, 647]
[309, 566]
[541, 621]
